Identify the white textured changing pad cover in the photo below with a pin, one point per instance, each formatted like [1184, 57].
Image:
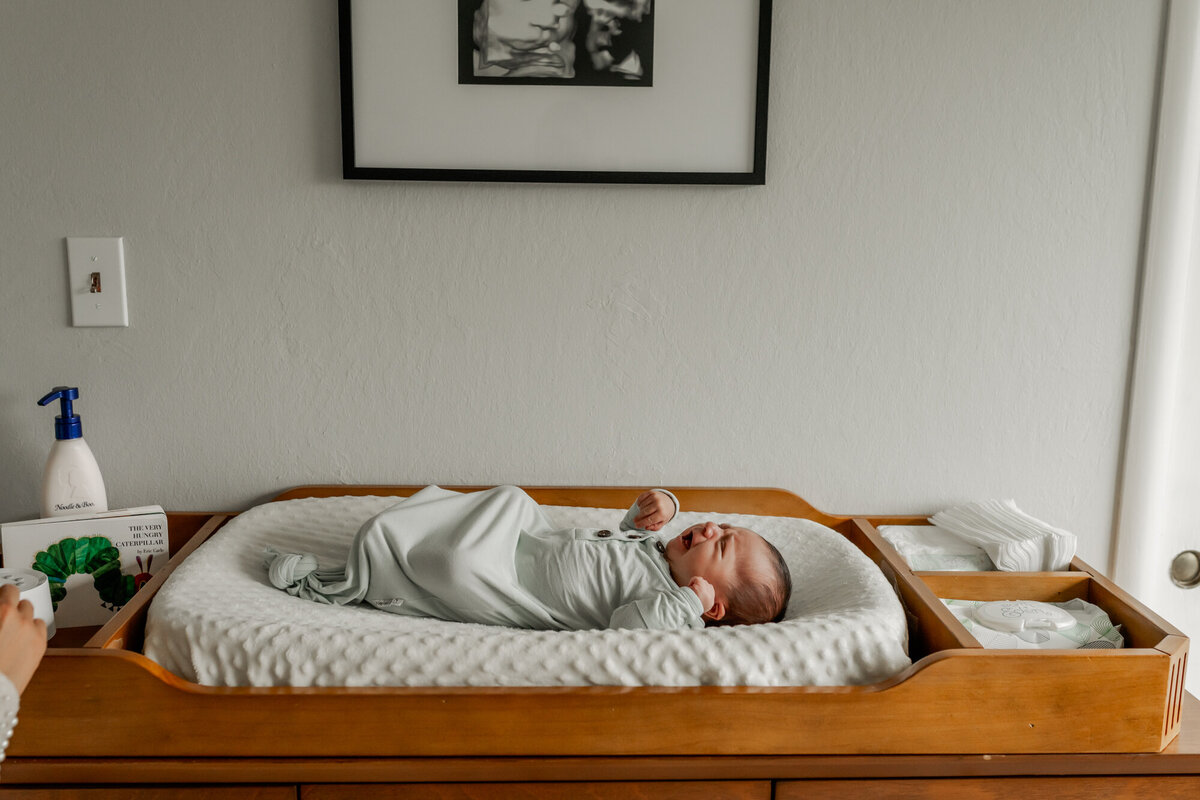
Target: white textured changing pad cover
[218, 622]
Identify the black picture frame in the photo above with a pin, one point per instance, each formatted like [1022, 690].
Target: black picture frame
[385, 105]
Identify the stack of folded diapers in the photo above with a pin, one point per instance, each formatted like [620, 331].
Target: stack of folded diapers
[1015, 541]
[993, 534]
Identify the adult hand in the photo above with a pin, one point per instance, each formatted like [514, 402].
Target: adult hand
[655, 509]
[22, 637]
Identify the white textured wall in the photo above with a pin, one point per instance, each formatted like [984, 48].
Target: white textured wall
[929, 302]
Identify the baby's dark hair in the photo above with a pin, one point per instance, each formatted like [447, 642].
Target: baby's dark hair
[757, 597]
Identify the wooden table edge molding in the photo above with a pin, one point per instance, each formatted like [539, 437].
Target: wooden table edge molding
[96, 772]
[1180, 757]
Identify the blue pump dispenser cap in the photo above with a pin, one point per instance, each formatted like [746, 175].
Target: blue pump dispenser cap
[68, 425]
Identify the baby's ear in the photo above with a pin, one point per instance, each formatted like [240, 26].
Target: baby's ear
[716, 613]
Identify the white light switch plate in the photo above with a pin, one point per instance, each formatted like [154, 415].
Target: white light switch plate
[104, 257]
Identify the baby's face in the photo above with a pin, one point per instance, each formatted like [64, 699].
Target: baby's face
[718, 553]
[529, 22]
[528, 37]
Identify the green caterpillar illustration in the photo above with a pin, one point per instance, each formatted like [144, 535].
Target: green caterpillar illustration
[87, 555]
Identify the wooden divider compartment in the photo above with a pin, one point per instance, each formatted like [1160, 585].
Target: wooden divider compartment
[1143, 630]
[1140, 627]
[1149, 639]
[955, 698]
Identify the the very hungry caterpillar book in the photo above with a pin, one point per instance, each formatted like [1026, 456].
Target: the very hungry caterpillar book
[94, 562]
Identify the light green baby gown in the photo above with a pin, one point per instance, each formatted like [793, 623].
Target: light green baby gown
[492, 557]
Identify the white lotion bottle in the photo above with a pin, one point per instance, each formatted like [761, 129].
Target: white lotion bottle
[71, 483]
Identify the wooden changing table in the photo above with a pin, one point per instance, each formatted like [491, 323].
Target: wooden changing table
[100, 720]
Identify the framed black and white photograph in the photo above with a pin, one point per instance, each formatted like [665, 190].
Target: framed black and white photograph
[562, 91]
[590, 43]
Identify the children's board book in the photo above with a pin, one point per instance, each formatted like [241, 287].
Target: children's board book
[94, 562]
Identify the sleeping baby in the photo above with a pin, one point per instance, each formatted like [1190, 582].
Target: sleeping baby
[492, 557]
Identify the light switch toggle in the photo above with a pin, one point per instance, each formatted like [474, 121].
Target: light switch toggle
[96, 281]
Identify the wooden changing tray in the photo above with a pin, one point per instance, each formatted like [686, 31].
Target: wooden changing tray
[104, 702]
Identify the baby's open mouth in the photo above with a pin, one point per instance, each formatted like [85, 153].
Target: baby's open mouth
[687, 541]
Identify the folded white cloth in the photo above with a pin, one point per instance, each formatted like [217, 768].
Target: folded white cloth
[931, 549]
[1015, 541]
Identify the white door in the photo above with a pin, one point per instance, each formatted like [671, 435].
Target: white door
[1157, 547]
[1173, 565]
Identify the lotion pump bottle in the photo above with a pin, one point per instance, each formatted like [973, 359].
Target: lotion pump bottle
[71, 483]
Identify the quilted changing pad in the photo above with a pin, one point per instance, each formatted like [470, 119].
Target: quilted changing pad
[217, 621]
